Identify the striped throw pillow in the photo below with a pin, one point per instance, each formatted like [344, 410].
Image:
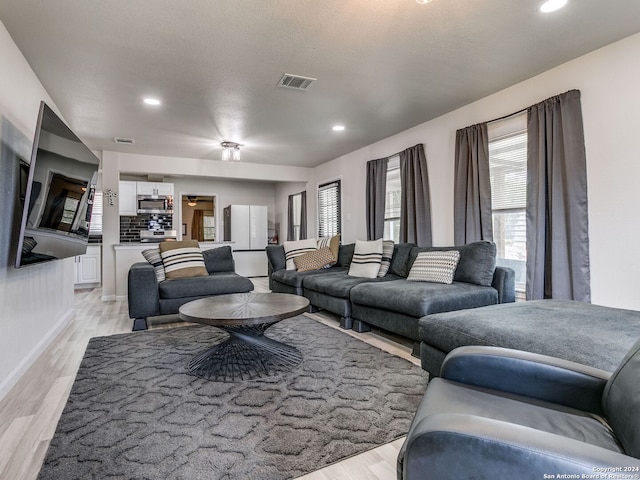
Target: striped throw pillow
[366, 260]
[387, 253]
[437, 267]
[182, 259]
[296, 248]
[314, 260]
[153, 257]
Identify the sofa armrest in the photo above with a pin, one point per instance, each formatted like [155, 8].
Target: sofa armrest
[504, 281]
[523, 373]
[276, 260]
[144, 298]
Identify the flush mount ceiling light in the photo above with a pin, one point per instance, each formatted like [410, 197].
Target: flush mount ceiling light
[152, 101]
[422, 2]
[338, 128]
[230, 150]
[552, 5]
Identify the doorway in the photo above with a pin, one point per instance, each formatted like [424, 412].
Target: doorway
[199, 219]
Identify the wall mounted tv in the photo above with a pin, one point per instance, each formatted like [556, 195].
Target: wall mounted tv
[56, 191]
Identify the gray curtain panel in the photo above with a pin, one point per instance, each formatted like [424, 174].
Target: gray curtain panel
[415, 201]
[472, 186]
[376, 194]
[303, 215]
[557, 220]
[290, 220]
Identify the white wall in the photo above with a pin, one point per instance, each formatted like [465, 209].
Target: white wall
[35, 302]
[608, 79]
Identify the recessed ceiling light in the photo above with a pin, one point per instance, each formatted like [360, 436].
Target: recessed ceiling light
[552, 5]
[338, 128]
[422, 2]
[152, 101]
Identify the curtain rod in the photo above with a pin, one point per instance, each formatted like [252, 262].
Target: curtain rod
[504, 117]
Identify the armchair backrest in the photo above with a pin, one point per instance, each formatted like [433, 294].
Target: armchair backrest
[621, 402]
[219, 259]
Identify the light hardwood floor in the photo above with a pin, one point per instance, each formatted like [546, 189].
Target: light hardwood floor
[30, 411]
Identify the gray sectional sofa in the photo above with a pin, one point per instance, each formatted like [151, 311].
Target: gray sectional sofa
[149, 298]
[392, 302]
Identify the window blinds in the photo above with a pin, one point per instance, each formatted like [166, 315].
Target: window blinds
[508, 169]
[329, 212]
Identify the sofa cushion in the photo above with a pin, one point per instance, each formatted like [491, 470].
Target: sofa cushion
[387, 255]
[153, 257]
[437, 267]
[477, 262]
[215, 284]
[345, 254]
[417, 299]
[298, 247]
[294, 278]
[219, 259]
[182, 259]
[366, 259]
[400, 260]
[339, 283]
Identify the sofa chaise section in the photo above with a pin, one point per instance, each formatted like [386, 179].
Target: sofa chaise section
[593, 335]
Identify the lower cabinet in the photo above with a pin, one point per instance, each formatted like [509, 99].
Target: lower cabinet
[88, 266]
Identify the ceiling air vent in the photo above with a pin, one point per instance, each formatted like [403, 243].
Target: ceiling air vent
[124, 141]
[297, 82]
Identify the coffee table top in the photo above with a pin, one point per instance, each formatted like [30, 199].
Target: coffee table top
[243, 309]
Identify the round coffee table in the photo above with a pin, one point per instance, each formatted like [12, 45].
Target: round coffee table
[247, 354]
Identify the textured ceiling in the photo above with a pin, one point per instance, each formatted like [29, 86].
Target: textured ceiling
[382, 66]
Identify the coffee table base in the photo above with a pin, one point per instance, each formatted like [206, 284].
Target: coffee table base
[246, 355]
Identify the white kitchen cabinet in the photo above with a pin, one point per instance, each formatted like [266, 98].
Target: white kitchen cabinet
[154, 188]
[88, 266]
[127, 201]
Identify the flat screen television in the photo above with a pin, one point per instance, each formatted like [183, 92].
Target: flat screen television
[57, 188]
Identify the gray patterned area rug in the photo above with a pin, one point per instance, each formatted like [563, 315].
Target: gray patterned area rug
[134, 412]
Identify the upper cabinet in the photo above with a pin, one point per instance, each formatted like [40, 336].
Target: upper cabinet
[154, 188]
[127, 201]
[128, 192]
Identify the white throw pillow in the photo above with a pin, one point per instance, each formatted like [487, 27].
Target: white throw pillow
[366, 259]
[437, 267]
[296, 248]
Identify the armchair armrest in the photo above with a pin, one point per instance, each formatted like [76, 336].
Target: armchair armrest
[142, 288]
[523, 373]
[450, 446]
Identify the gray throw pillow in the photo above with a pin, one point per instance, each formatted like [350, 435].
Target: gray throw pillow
[219, 259]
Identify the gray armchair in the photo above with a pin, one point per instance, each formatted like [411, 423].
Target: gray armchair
[500, 413]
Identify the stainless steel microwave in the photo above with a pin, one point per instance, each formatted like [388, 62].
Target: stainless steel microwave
[155, 204]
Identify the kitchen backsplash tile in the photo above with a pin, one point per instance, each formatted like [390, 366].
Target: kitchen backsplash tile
[130, 226]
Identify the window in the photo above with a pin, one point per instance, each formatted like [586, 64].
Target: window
[297, 215]
[508, 171]
[329, 212]
[392, 201]
[209, 225]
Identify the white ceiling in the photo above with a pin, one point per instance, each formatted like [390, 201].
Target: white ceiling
[382, 66]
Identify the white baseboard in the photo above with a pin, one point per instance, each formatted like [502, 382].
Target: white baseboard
[11, 379]
[121, 298]
[108, 298]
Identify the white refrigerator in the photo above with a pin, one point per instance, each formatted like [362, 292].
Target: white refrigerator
[246, 226]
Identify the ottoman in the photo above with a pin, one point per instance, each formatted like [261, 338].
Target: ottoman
[589, 334]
